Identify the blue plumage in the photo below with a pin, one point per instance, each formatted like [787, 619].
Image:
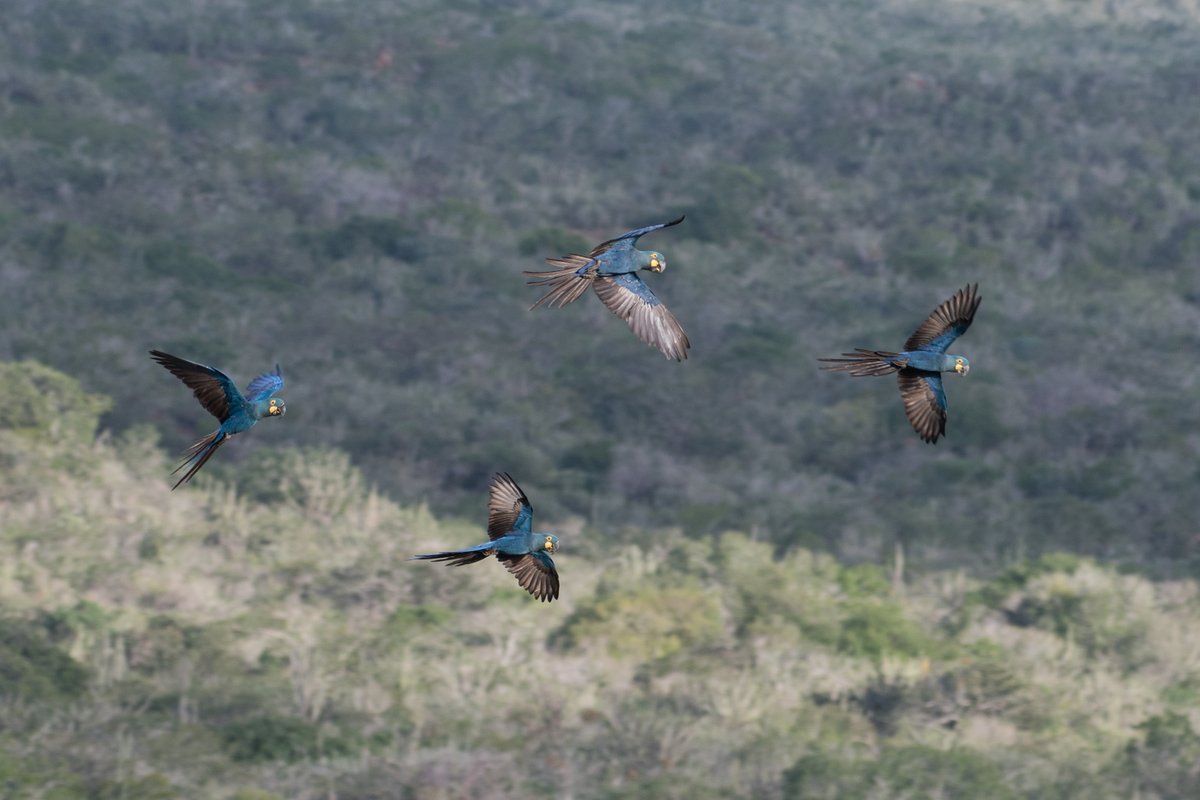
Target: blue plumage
[219, 395]
[631, 283]
[934, 381]
[611, 269]
[265, 385]
[523, 552]
[920, 365]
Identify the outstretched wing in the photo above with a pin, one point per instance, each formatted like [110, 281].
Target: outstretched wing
[924, 402]
[947, 322]
[629, 297]
[632, 236]
[213, 388]
[265, 385]
[508, 508]
[535, 572]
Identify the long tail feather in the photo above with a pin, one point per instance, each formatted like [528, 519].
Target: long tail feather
[455, 558]
[864, 363]
[566, 283]
[198, 455]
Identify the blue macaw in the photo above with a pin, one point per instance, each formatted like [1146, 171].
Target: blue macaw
[611, 268]
[920, 365]
[221, 398]
[523, 552]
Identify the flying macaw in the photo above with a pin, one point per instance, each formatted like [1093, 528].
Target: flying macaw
[611, 269]
[920, 365]
[220, 397]
[523, 552]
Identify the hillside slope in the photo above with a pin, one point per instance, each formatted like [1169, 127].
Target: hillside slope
[200, 644]
[354, 189]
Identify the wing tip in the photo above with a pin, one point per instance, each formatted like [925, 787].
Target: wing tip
[970, 295]
[502, 480]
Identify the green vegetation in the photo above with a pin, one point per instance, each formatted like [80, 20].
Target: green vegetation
[354, 190]
[215, 643]
[770, 588]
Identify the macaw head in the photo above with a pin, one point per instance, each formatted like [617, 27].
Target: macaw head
[276, 407]
[550, 544]
[654, 261]
[961, 365]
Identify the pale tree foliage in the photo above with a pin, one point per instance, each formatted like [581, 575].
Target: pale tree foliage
[285, 643]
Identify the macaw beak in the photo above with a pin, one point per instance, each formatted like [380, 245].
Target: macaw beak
[963, 369]
[656, 265]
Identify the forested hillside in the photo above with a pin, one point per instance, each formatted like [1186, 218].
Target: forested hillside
[354, 189]
[204, 644]
[771, 587]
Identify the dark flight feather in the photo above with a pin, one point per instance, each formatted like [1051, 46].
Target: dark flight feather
[533, 574]
[210, 386]
[508, 507]
[947, 322]
[926, 412]
[628, 297]
[633, 235]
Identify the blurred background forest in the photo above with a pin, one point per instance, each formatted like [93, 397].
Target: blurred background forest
[352, 189]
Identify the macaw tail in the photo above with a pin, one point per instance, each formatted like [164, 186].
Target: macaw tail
[862, 363]
[568, 281]
[455, 558]
[198, 455]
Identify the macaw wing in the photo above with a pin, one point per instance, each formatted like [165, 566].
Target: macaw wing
[265, 385]
[535, 573]
[629, 297]
[213, 388]
[947, 322]
[632, 236]
[508, 508]
[924, 402]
